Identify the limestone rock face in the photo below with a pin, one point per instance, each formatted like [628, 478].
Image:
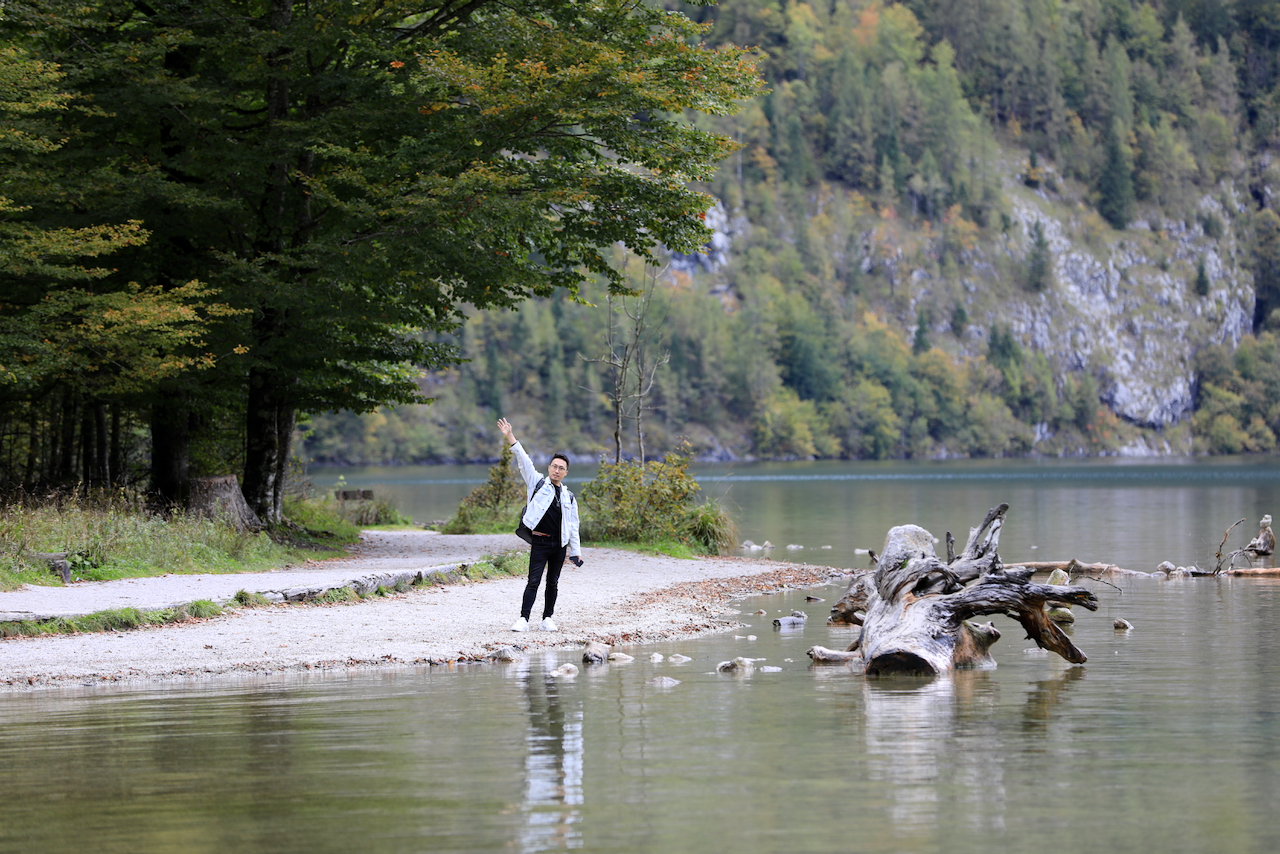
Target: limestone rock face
[1135, 316]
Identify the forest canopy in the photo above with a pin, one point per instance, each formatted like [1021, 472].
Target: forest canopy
[314, 192]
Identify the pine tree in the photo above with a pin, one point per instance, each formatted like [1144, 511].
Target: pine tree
[1202, 279]
[1115, 184]
[1266, 266]
[920, 344]
[1039, 261]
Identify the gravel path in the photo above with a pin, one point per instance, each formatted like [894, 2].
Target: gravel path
[616, 597]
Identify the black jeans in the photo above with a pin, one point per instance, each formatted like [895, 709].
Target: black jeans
[543, 556]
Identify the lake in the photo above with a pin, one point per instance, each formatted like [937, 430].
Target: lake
[1132, 513]
[1168, 739]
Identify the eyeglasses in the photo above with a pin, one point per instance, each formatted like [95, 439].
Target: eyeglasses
[558, 467]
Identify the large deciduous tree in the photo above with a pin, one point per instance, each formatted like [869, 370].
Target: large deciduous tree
[347, 174]
[71, 339]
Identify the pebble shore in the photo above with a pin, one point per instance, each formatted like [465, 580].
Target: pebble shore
[616, 598]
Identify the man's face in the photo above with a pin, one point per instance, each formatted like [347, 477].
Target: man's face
[557, 470]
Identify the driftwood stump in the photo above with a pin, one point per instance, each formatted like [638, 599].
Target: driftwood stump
[220, 498]
[915, 610]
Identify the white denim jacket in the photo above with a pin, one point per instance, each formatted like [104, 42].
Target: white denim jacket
[539, 503]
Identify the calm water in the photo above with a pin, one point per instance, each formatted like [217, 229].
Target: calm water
[1133, 513]
[1168, 739]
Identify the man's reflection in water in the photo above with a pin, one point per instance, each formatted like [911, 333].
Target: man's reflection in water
[553, 761]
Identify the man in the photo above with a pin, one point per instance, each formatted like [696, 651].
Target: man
[552, 515]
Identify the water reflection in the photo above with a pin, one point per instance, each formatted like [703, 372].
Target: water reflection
[940, 748]
[553, 762]
[907, 722]
[1044, 696]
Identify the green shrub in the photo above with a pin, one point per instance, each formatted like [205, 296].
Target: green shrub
[711, 528]
[492, 507]
[633, 502]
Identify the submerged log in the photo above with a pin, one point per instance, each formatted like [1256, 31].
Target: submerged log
[918, 610]
[1074, 567]
[822, 655]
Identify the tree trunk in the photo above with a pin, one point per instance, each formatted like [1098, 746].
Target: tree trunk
[220, 498]
[102, 463]
[269, 424]
[917, 608]
[67, 446]
[116, 458]
[88, 446]
[33, 447]
[285, 423]
[170, 450]
[269, 420]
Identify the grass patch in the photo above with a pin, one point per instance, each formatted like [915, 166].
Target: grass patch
[109, 537]
[114, 620]
[245, 599]
[336, 596]
[667, 547]
[507, 564]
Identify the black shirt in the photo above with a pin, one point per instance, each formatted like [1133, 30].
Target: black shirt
[549, 524]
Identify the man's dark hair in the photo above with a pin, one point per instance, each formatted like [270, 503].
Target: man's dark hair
[555, 457]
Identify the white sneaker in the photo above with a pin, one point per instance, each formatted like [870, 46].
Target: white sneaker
[548, 625]
[521, 625]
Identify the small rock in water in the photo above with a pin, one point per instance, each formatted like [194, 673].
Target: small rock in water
[794, 546]
[826, 547]
[862, 551]
[565, 670]
[664, 682]
[656, 657]
[677, 658]
[815, 598]
[749, 546]
[506, 654]
[1059, 577]
[751, 637]
[1062, 615]
[762, 612]
[1035, 652]
[1165, 566]
[770, 669]
[595, 653]
[620, 657]
[795, 621]
[739, 665]
[767, 545]
[1122, 625]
